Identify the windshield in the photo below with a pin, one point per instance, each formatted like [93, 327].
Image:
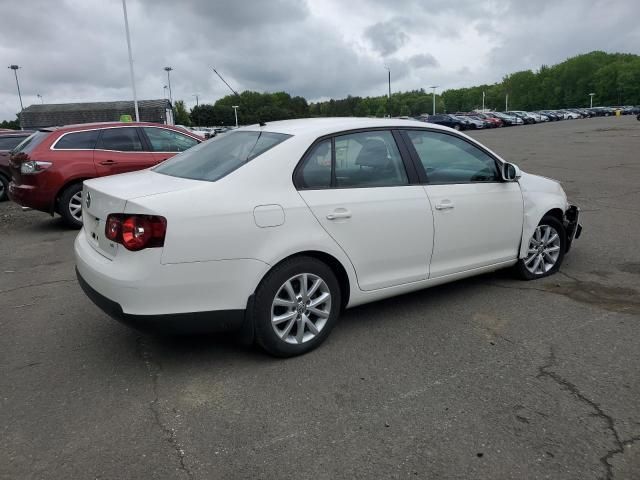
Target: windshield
[220, 156]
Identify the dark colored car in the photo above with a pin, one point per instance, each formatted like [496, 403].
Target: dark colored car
[48, 168]
[445, 120]
[9, 139]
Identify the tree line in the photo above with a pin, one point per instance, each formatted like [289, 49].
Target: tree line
[614, 78]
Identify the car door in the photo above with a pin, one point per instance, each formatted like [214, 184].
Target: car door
[358, 188]
[477, 216]
[165, 143]
[120, 150]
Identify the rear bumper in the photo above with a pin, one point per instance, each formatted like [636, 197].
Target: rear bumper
[31, 196]
[183, 323]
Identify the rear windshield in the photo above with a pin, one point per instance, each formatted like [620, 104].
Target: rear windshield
[31, 142]
[213, 159]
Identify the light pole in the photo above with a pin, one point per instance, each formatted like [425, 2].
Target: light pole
[389, 79]
[165, 92]
[591, 98]
[15, 71]
[196, 95]
[168, 70]
[506, 102]
[235, 110]
[433, 95]
[483, 101]
[133, 82]
[40, 97]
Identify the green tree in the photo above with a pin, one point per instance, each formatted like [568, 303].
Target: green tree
[11, 124]
[180, 114]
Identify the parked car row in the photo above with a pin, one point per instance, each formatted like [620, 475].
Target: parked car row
[480, 120]
[46, 168]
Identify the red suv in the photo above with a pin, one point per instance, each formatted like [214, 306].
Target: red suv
[49, 167]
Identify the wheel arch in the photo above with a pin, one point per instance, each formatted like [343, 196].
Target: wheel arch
[532, 219]
[332, 262]
[56, 202]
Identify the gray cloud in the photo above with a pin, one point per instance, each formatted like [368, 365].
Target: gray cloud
[422, 60]
[76, 51]
[386, 37]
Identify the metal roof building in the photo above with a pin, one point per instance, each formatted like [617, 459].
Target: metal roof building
[57, 114]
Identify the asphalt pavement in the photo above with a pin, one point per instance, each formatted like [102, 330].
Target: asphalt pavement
[486, 378]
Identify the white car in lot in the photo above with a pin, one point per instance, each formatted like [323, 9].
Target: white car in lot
[275, 229]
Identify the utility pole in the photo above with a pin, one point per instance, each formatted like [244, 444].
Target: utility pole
[168, 70]
[15, 71]
[133, 82]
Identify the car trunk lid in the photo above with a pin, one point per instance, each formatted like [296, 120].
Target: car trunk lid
[103, 196]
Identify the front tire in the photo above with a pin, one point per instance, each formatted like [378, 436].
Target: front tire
[545, 252]
[296, 306]
[70, 205]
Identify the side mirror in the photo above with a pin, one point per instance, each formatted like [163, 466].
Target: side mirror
[510, 172]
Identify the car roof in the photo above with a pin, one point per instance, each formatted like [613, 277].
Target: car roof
[89, 126]
[328, 125]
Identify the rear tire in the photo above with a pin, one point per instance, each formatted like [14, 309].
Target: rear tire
[296, 306]
[70, 206]
[546, 250]
[4, 188]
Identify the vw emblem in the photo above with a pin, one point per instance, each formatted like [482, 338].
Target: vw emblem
[87, 200]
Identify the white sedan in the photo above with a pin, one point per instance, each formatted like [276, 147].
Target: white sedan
[274, 229]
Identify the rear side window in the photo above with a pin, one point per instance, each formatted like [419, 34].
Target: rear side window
[220, 156]
[78, 141]
[8, 143]
[30, 143]
[369, 159]
[164, 140]
[316, 170]
[120, 139]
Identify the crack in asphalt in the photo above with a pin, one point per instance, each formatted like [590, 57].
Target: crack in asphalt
[154, 368]
[40, 284]
[545, 371]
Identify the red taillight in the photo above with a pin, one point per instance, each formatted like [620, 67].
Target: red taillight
[136, 232]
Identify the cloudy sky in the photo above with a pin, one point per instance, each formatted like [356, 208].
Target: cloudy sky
[75, 50]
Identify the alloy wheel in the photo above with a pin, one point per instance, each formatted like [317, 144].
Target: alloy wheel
[544, 250]
[75, 206]
[301, 308]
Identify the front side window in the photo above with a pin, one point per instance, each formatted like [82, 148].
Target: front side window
[121, 140]
[220, 156]
[78, 141]
[368, 159]
[449, 159]
[164, 140]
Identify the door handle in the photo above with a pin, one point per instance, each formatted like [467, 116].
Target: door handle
[108, 162]
[338, 214]
[446, 205]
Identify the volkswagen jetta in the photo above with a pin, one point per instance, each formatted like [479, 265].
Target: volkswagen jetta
[275, 229]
